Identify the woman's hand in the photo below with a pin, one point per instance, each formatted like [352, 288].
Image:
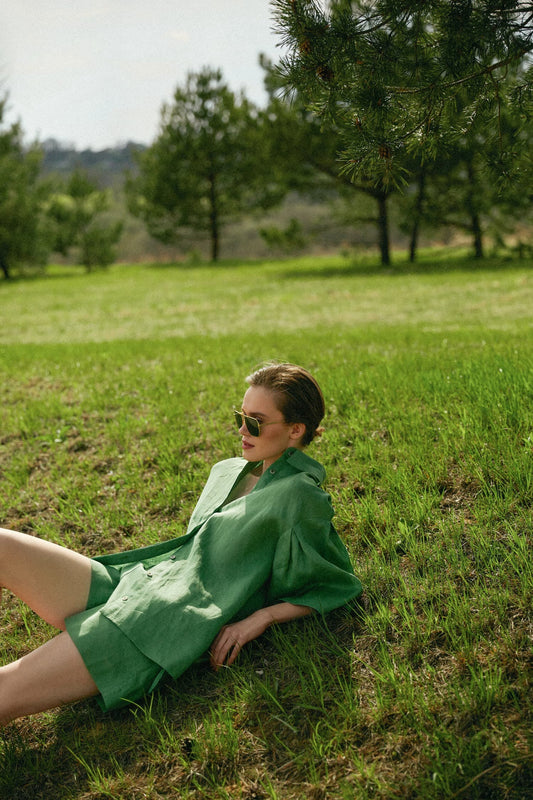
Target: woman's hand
[234, 636]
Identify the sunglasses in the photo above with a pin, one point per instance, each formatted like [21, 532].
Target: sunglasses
[253, 426]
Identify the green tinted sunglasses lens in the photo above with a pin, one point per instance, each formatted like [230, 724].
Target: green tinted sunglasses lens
[252, 424]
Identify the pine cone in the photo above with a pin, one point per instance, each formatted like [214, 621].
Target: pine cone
[325, 72]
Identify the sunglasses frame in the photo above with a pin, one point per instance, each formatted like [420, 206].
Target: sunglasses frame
[242, 418]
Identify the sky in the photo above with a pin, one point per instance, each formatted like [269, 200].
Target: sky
[95, 73]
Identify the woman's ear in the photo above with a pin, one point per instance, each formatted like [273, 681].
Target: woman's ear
[297, 431]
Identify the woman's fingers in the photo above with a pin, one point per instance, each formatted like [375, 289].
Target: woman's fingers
[234, 653]
[226, 646]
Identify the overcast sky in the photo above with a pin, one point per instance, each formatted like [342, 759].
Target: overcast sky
[95, 73]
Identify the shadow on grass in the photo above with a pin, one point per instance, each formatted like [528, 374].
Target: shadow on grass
[198, 733]
[439, 263]
[52, 273]
[66, 271]
[436, 261]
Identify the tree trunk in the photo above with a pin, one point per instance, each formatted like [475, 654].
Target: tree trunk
[383, 227]
[213, 218]
[417, 217]
[5, 268]
[473, 212]
[478, 236]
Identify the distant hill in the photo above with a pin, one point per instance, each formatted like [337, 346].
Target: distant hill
[106, 167]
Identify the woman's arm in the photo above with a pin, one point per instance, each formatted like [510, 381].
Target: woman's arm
[234, 636]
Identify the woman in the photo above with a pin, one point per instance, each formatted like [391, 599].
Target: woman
[259, 549]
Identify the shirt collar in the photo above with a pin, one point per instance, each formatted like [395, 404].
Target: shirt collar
[304, 463]
[299, 461]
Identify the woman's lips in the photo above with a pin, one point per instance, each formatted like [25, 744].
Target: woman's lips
[246, 445]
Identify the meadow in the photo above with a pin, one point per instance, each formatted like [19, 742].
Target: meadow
[117, 390]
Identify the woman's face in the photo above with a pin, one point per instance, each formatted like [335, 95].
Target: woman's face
[274, 438]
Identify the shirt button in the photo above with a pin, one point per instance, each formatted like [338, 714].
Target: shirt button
[272, 471]
[148, 574]
[124, 598]
[172, 557]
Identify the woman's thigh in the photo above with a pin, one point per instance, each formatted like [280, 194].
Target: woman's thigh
[50, 676]
[53, 580]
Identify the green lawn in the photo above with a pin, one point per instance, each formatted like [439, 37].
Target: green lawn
[117, 389]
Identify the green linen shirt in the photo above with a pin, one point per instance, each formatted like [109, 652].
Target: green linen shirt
[275, 544]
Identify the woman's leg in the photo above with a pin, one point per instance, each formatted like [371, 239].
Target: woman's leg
[53, 580]
[50, 676]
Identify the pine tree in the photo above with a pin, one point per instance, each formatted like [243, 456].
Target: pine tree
[76, 213]
[388, 73]
[463, 186]
[22, 235]
[210, 163]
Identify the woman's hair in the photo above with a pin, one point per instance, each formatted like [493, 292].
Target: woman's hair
[298, 395]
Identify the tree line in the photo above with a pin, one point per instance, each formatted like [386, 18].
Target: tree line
[427, 103]
[42, 215]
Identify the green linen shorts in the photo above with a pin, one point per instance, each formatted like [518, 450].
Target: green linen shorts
[121, 672]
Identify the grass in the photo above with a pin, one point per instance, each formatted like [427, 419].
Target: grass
[115, 401]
